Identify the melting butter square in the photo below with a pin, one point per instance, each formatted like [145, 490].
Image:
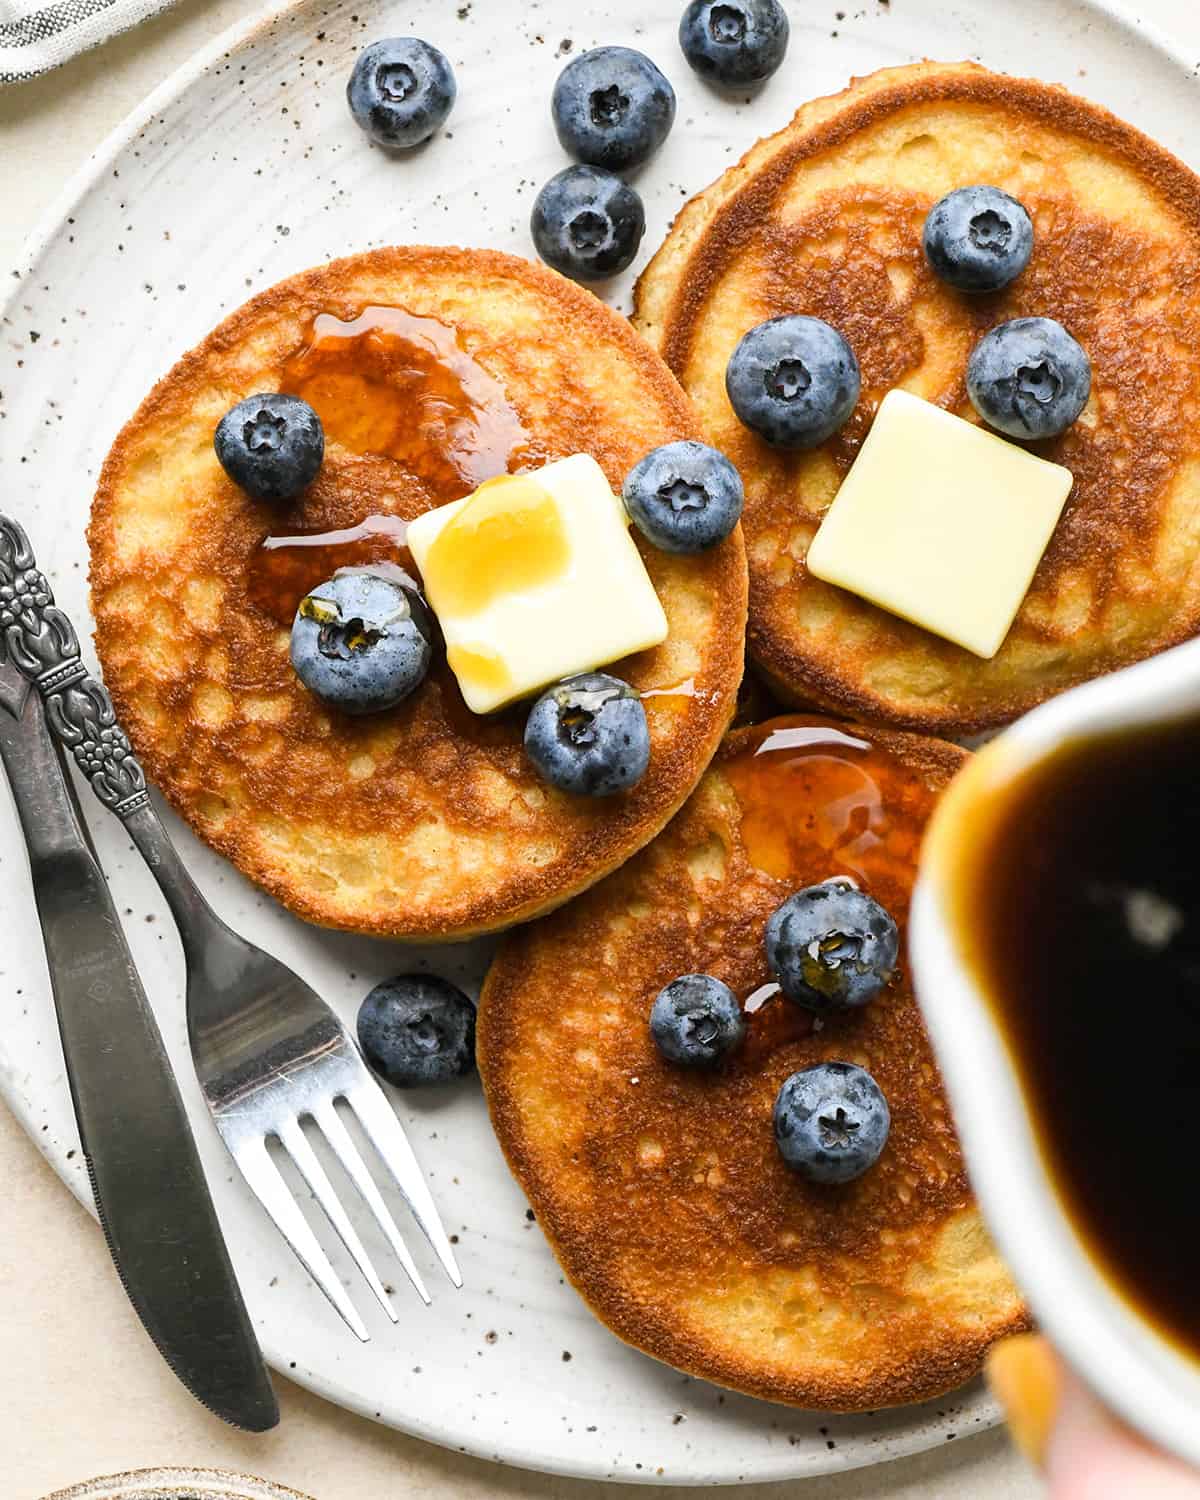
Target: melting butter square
[538, 579]
[941, 523]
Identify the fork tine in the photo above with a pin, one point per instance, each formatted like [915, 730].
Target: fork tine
[347, 1153]
[377, 1118]
[273, 1193]
[297, 1145]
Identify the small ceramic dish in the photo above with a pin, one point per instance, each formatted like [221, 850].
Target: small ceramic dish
[177, 1484]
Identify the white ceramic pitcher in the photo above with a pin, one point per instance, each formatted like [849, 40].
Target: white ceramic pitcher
[1144, 1378]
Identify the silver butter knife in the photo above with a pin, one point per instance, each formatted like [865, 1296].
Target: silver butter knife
[151, 1195]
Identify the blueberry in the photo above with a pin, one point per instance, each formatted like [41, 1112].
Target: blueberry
[793, 380]
[696, 1020]
[612, 107]
[831, 1122]
[978, 239]
[401, 91]
[734, 42]
[587, 223]
[270, 445]
[1029, 378]
[589, 735]
[684, 497]
[832, 947]
[417, 1029]
[362, 642]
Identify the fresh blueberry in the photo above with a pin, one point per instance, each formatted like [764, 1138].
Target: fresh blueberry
[587, 223]
[793, 380]
[978, 239]
[271, 445]
[1029, 378]
[612, 107]
[684, 497]
[401, 91]
[696, 1020]
[831, 1122]
[832, 947]
[362, 642]
[589, 735]
[417, 1029]
[734, 42]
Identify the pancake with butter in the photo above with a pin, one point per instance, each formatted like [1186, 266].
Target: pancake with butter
[825, 218]
[661, 1188]
[433, 370]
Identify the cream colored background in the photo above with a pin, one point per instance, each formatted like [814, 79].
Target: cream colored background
[82, 1391]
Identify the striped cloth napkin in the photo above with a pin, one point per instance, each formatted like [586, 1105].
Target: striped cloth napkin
[37, 35]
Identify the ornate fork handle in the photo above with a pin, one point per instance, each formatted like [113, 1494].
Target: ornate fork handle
[42, 644]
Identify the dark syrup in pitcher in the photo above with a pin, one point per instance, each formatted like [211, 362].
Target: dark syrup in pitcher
[1078, 902]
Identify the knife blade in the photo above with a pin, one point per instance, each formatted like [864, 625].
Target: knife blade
[151, 1195]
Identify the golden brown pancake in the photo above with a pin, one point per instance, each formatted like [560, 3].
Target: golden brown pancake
[825, 218]
[661, 1189]
[425, 822]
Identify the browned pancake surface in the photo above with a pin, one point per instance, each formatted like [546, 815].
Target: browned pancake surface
[425, 821]
[661, 1189]
[825, 218]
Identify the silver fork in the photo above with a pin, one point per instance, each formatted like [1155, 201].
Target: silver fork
[270, 1054]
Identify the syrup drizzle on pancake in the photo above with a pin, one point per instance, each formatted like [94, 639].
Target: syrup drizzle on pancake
[804, 784]
[286, 568]
[403, 386]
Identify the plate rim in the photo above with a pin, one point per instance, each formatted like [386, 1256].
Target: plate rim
[36, 243]
[98, 161]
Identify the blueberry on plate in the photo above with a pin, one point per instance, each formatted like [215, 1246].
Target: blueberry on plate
[831, 947]
[401, 91]
[417, 1029]
[271, 445]
[831, 1122]
[1029, 378]
[362, 642]
[696, 1021]
[734, 42]
[793, 380]
[587, 223]
[612, 107]
[684, 497]
[589, 735]
[978, 239]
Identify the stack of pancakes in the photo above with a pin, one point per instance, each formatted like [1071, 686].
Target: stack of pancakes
[661, 1191]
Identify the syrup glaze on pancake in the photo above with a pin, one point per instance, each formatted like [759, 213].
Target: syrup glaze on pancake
[825, 218]
[661, 1189]
[432, 370]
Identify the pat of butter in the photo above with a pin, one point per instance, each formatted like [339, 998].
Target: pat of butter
[535, 577]
[941, 523]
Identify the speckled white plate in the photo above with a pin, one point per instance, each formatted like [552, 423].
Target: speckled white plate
[241, 169]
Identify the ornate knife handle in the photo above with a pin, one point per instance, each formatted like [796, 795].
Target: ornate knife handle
[42, 644]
